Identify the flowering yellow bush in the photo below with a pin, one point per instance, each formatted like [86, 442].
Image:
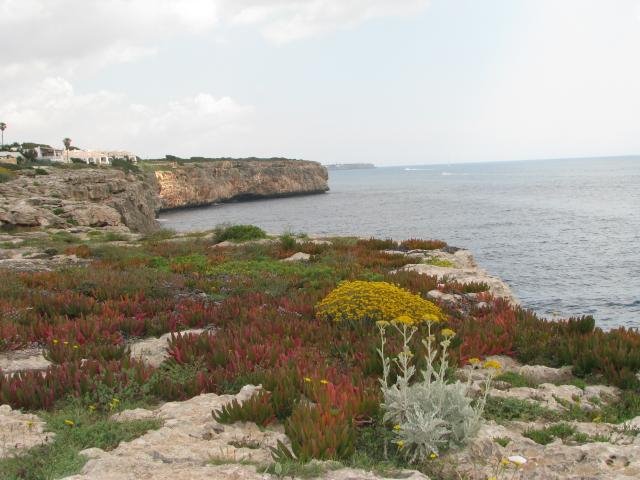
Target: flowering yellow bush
[376, 302]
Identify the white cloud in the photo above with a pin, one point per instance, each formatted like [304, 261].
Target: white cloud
[103, 119]
[288, 20]
[67, 36]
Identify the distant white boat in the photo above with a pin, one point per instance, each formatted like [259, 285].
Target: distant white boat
[417, 169]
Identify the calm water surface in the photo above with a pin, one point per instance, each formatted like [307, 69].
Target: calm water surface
[565, 234]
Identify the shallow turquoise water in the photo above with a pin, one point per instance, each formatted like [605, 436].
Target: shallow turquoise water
[565, 234]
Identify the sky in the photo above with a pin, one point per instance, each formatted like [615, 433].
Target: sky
[391, 82]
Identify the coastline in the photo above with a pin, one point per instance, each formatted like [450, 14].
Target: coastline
[169, 294]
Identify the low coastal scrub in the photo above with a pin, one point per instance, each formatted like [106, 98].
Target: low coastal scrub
[240, 233]
[375, 301]
[305, 331]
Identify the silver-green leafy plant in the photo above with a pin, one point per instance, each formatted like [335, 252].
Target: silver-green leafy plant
[430, 414]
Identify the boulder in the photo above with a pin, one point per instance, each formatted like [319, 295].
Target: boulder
[298, 257]
[542, 374]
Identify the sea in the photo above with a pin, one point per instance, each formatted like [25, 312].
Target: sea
[564, 234]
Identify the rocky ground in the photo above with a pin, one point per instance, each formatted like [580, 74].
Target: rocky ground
[192, 445]
[454, 264]
[61, 198]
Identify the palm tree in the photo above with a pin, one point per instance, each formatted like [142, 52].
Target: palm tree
[3, 127]
[67, 146]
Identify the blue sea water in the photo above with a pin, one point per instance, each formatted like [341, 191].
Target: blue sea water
[564, 234]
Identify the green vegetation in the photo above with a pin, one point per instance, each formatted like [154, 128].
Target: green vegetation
[240, 233]
[76, 428]
[274, 324]
[515, 380]
[547, 435]
[6, 174]
[438, 262]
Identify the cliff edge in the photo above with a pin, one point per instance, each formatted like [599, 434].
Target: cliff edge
[60, 197]
[204, 183]
[92, 197]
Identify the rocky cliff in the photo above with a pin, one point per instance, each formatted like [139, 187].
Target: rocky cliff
[204, 183]
[85, 197]
[100, 197]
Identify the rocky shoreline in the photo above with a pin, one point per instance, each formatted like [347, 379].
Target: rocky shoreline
[537, 412]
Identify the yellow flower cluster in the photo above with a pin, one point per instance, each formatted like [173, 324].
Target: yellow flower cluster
[496, 365]
[376, 302]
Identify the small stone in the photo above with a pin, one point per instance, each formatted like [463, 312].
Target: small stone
[298, 257]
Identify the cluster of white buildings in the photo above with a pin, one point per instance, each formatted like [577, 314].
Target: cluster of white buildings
[90, 157]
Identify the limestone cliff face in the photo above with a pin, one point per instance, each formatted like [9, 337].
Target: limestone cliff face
[84, 197]
[204, 183]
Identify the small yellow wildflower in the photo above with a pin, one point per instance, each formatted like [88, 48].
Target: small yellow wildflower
[382, 323]
[474, 361]
[55, 341]
[598, 419]
[324, 382]
[29, 424]
[400, 444]
[447, 333]
[404, 319]
[69, 423]
[92, 408]
[504, 461]
[75, 347]
[307, 379]
[493, 364]
[397, 427]
[430, 318]
[433, 455]
[66, 343]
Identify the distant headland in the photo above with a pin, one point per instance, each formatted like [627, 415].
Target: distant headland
[350, 166]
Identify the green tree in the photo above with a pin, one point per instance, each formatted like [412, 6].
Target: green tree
[67, 145]
[3, 127]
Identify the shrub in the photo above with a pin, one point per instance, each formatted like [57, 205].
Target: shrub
[288, 242]
[418, 244]
[431, 414]
[6, 175]
[546, 435]
[377, 244]
[375, 301]
[125, 165]
[240, 233]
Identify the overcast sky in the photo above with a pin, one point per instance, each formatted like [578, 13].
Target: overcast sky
[382, 81]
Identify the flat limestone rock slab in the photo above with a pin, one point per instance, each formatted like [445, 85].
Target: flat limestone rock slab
[22, 360]
[153, 351]
[192, 445]
[555, 461]
[20, 431]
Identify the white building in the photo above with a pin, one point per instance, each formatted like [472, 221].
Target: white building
[50, 154]
[102, 157]
[90, 157]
